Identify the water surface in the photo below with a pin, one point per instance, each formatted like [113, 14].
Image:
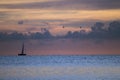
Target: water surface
[60, 68]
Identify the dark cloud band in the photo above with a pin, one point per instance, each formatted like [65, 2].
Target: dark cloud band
[97, 32]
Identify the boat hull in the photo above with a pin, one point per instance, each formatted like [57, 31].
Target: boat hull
[21, 54]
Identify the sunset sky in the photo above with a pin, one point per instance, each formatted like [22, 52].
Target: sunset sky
[26, 16]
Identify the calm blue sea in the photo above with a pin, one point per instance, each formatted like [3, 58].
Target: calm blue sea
[60, 68]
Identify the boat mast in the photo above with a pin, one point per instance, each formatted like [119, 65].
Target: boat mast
[22, 52]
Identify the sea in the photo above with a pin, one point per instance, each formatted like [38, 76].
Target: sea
[60, 67]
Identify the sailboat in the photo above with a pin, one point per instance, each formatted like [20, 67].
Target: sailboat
[22, 52]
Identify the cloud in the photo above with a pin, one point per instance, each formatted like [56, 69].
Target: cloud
[98, 26]
[67, 5]
[98, 31]
[20, 36]
[13, 36]
[114, 29]
[20, 22]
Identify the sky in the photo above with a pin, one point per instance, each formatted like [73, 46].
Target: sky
[90, 19]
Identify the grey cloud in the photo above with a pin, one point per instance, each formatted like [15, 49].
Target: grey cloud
[20, 36]
[98, 32]
[68, 4]
[20, 22]
[114, 29]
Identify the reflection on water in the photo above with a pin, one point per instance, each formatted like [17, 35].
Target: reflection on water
[60, 68]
